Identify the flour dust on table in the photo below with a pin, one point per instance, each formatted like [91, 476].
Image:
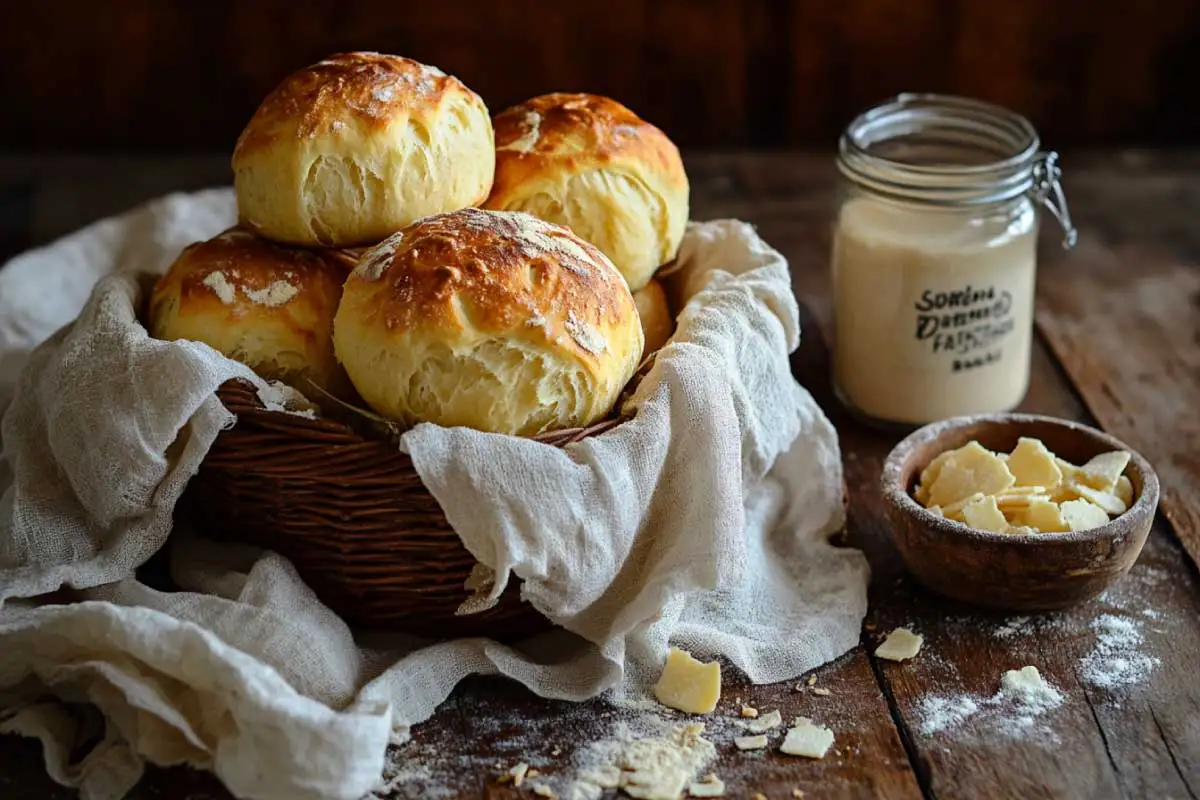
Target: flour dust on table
[1014, 711]
[1111, 657]
[1117, 661]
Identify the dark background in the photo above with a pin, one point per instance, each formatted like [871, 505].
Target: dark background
[137, 76]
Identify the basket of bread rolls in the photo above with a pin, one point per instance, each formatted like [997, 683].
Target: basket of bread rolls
[402, 258]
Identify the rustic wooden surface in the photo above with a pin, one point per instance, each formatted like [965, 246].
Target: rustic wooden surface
[1116, 314]
[718, 73]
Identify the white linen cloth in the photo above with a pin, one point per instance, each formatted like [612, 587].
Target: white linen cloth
[703, 522]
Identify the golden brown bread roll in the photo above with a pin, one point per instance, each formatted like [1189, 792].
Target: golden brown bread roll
[589, 163]
[267, 305]
[655, 313]
[491, 320]
[350, 150]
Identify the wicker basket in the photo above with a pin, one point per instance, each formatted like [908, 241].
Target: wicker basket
[352, 515]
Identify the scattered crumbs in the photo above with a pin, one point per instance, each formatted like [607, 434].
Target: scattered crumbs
[764, 723]
[221, 287]
[708, 786]
[869, 626]
[532, 773]
[750, 742]
[812, 679]
[542, 790]
[648, 757]
[749, 711]
[798, 794]
[1116, 660]
[821, 691]
[1013, 627]
[276, 294]
[518, 773]
[799, 687]
[556, 751]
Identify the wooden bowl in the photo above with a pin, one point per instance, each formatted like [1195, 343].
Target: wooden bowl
[1014, 572]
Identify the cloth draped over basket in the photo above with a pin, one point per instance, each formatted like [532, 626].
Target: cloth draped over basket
[702, 521]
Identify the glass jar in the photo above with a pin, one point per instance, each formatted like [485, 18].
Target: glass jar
[934, 258]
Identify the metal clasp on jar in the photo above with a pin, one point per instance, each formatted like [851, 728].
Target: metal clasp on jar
[1048, 190]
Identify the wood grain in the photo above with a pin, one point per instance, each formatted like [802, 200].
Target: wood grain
[1125, 324]
[186, 76]
[1098, 744]
[1138, 741]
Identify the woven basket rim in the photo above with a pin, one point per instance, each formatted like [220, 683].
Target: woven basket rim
[318, 423]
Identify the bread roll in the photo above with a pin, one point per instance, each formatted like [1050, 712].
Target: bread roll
[352, 149]
[655, 313]
[589, 163]
[490, 320]
[269, 306]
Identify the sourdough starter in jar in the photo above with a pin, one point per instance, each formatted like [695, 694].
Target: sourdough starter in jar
[934, 309]
[934, 258]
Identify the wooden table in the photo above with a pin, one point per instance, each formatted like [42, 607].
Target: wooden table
[1119, 346]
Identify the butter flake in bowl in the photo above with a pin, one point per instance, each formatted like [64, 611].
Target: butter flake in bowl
[1018, 511]
[1029, 490]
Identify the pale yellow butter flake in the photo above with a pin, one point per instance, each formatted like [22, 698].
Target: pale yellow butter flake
[985, 515]
[1019, 497]
[1080, 515]
[1033, 465]
[1045, 516]
[688, 685]
[901, 644]
[930, 474]
[1069, 471]
[954, 510]
[1025, 491]
[750, 742]
[971, 469]
[1102, 471]
[1105, 500]
[1124, 490]
[766, 722]
[710, 786]
[807, 739]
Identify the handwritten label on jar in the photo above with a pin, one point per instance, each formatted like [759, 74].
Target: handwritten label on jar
[933, 313]
[965, 321]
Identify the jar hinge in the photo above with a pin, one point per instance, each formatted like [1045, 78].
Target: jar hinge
[1048, 190]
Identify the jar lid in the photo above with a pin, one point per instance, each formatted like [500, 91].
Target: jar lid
[952, 151]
